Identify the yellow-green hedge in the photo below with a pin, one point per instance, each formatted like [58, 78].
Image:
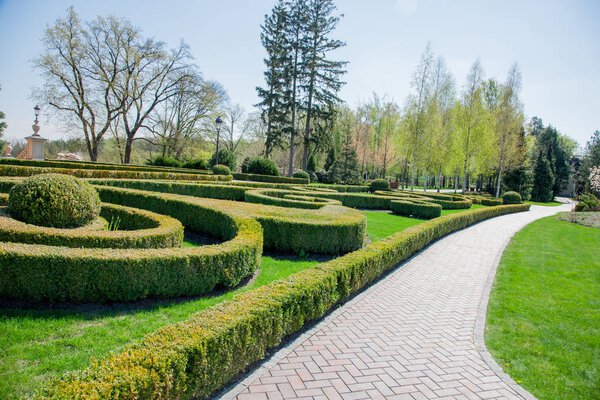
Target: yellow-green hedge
[284, 198]
[197, 357]
[138, 229]
[268, 178]
[15, 170]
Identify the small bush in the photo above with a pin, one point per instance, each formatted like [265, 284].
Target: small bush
[512, 198]
[197, 163]
[492, 201]
[220, 169]
[54, 200]
[226, 157]
[416, 209]
[301, 174]
[379, 184]
[162, 161]
[262, 166]
[588, 202]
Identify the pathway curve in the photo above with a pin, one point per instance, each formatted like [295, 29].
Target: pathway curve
[418, 334]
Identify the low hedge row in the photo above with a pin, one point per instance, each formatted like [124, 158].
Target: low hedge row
[48, 273]
[197, 357]
[269, 178]
[417, 209]
[14, 170]
[138, 229]
[98, 166]
[213, 191]
[491, 201]
[283, 198]
[329, 230]
[342, 188]
[453, 204]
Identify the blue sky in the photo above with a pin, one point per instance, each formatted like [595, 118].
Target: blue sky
[556, 43]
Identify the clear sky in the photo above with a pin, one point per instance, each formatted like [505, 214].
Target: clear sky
[556, 43]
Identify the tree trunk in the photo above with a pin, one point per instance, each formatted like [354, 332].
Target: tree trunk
[128, 148]
[499, 181]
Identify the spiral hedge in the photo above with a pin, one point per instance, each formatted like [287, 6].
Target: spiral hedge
[197, 357]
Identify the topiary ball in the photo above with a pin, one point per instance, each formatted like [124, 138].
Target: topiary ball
[221, 170]
[301, 174]
[512, 198]
[379, 184]
[54, 200]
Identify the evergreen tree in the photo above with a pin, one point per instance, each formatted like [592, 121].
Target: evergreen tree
[331, 157]
[543, 179]
[274, 110]
[348, 163]
[320, 76]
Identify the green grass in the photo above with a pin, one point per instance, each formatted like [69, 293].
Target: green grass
[543, 324]
[549, 204]
[37, 344]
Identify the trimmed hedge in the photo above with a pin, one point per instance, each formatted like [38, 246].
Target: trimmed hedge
[379, 184]
[452, 204]
[284, 198]
[139, 229]
[197, 357]
[220, 169]
[48, 273]
[342, 188]
[99, 166]
[417, 209]
[512, 198]
[268, 178]
[491, 201]
[12, 170]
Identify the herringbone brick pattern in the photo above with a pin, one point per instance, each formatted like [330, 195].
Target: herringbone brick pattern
[411, 336]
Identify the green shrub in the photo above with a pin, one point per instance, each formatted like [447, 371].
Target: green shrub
[162, 161]
[415, 208]
[284, 198]
[226, 157]
[587, 202]
[262, 166]
[495, 201]
[269, 178]
[138, 229]
[452, 204]
[54, 200]
[159, 173]
[301, 174]
[379, 184]
[512, 198]
[197, 357]
[220, 169]
[197, 163]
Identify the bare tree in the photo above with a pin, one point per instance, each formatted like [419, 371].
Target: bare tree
[80, 64]
[236, 125]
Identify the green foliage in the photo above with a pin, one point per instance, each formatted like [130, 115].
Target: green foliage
[512, 198]
[162, 161]
[245, 164]
[197, 163]
[226, 157]
[452, 204]
[416, 209]
[137, 229]
[195, 358]
[379, 184]
[519, 180]
[54, 200]
[220, 169]
[543, 180]
[269, 178]
[14, 170]
[587, 202]
[301, 174]
[262, 166]
[46, 273]
[491, 202]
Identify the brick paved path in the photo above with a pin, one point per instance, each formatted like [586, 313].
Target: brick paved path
[415, 335]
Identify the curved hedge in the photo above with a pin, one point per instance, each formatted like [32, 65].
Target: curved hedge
[39, 272]
[491, 201]
[269, 178]
[197, 357]
[417, 209]
[13, 170]
[453, 204]
[283, 198]
[138, 229]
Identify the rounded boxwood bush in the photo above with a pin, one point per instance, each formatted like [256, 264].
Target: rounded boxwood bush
[379, 184]
[301, 174]
[262, 166]
[512, 198]
[220, 169]
[54, 200]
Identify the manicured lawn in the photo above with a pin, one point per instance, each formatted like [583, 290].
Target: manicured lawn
[37, 344]
[543, 324]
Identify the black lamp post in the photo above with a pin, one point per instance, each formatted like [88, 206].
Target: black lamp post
[218, 123]
[37, 110]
